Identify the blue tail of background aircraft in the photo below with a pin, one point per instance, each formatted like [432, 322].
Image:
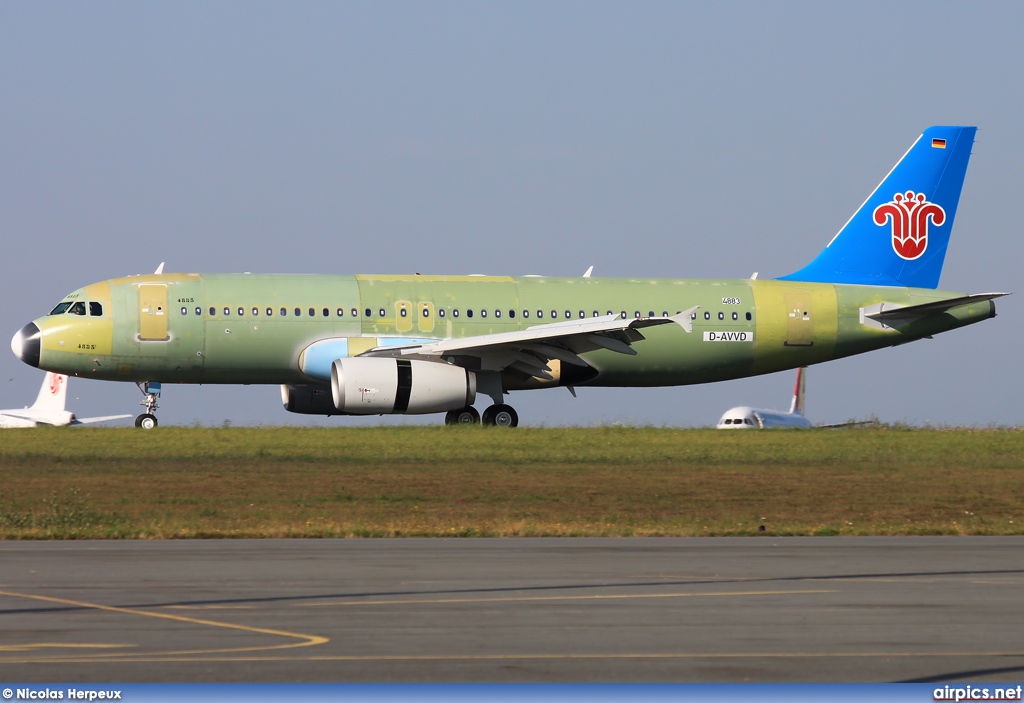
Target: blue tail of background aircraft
[899, 235]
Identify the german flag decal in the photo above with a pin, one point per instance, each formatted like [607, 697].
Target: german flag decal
[938, 143]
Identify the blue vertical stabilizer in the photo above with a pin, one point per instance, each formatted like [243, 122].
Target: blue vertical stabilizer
[899, 235]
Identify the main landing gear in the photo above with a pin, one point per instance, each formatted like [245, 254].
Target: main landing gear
[151, 390]
[466, 416]
[501, 415]
[498, 415]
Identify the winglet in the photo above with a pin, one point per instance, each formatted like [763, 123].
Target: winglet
[160, 268]
[589, 271]
[685, 318]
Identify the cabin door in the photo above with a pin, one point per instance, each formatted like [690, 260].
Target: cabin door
[799, 327]
[153, 312]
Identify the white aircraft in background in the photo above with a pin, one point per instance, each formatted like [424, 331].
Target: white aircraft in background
[744, 418]
[49, 408]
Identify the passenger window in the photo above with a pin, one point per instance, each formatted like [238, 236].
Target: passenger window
[664, 313]
[583, 315]
[512, 314]
[469, 313]
[426, 312]
[735, 316]
[403, 312]
[298, 312]
[312, 312]
[483, 313]
[455, 312]
[693, 316]
[199, 311]
[367, 312]
[748, 316]
[650, 313]
[327, 312]
[554, 314]
[355, 313]
[526, 313]
[721, 316]
[636, 314]
[284, 312]
[341, 312]
[184, 311]
[382, 312]
[95, 310]
[270, 312]
[255, 311]
[241, 311]
[707, 316]
[568, 315]
[60, 309]
[440, 313]
[227, 311]
[78, 308]
[623, 315]
[497, 313]
[596, 314]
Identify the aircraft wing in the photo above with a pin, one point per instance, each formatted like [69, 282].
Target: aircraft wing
[529, 350]
[89, 420]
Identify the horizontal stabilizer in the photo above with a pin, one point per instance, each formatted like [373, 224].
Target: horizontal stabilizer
[90, 420]
[893, 315]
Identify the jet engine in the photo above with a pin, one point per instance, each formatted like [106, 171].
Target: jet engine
[314, 399]
[379, 386]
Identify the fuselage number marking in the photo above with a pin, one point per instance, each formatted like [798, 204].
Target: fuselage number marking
[728, 336]
[731, 301]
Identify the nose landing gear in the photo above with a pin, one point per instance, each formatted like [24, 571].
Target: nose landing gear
[151, 390]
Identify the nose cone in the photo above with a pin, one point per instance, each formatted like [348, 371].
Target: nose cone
[25, 344]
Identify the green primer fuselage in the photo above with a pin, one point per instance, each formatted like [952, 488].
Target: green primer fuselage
[229, 328]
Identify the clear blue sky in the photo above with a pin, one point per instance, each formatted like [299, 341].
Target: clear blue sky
[645, 138]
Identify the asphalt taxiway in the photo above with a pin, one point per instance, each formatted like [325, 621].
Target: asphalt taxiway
[664, 609]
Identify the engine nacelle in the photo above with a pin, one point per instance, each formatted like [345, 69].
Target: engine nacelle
[379, 386]
[313, 399]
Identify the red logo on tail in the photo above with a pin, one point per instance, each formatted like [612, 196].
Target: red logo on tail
[55, 382]
[909, 214]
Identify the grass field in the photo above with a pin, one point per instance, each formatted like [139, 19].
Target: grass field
[455, 481]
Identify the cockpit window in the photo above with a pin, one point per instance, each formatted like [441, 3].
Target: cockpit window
[95, 310]
[60, 309]
[78, 308]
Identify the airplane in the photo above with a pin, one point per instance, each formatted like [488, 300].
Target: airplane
[747, 418]
[412, 344]
[49, 408]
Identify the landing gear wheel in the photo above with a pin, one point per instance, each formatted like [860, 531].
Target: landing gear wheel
[501, 415]
[465, 416]
[150, 389]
